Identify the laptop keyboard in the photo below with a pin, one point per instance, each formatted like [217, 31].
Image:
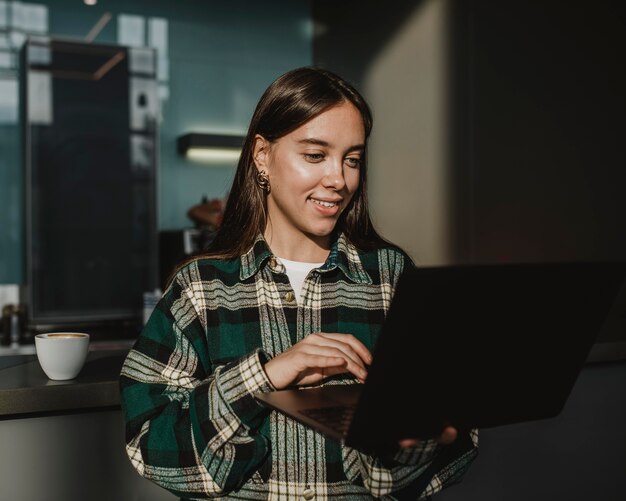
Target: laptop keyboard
[336, 417]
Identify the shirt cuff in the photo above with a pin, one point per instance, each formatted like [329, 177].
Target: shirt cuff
[239, 381]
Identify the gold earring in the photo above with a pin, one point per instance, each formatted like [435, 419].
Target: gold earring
[263, 180]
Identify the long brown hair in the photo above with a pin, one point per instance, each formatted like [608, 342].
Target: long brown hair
[289, 102]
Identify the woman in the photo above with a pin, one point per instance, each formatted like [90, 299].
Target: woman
[293, 292]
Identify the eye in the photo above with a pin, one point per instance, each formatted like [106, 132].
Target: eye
[314, 157]
[353, 162]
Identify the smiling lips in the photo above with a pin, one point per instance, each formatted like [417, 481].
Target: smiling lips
[325, 203]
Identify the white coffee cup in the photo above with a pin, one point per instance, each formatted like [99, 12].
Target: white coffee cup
[62, 354]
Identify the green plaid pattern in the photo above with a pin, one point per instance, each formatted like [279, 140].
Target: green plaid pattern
[192, 423]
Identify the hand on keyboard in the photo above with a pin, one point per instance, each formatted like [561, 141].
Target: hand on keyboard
[317, 357]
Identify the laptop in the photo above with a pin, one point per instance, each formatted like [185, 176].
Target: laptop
[475, 346]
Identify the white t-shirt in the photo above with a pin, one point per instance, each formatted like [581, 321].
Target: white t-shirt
[297, 272]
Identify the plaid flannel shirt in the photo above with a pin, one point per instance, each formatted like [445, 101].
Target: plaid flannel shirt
[192, 423]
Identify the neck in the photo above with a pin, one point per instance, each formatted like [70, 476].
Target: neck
[300, 247]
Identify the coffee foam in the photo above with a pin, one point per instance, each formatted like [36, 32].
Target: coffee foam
[65, 335]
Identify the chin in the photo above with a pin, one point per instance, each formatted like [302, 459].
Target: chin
[321, 232]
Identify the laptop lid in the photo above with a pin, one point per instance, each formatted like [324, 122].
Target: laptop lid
[479, 346]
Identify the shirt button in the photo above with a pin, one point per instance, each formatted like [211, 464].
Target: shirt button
[308, 494]
[289, 296]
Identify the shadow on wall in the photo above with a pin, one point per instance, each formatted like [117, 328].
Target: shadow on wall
[366, 27]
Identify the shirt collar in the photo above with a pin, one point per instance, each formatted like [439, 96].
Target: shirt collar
[343, 255]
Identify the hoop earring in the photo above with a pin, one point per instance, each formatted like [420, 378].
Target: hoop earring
[263, 180]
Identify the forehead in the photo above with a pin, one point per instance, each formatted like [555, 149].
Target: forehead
[339, 124]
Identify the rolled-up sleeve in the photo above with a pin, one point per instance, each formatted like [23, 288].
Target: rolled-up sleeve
[191, 429]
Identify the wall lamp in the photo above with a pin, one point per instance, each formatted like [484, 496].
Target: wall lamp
[210, 147]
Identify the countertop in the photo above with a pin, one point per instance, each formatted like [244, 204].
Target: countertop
[26, 391]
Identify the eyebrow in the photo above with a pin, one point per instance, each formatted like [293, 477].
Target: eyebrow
[321, 142]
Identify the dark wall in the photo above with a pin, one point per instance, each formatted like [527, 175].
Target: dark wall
[539, 158]
[546, 160]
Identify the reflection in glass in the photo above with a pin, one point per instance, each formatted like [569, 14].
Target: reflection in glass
[90, 248]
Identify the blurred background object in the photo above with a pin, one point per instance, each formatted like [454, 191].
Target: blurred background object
[89, 120]
[208, 214]
[177, 245]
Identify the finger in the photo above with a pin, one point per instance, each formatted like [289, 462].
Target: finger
[325, 362]
[289, 367]
[326, 367]
[356, 345]
[346, 343]
[348, 364]
[329, 366]
[345, 349]
[408, 442]
[448, 435]
[330, 351]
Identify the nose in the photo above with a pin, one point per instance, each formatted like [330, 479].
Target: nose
[333, 175]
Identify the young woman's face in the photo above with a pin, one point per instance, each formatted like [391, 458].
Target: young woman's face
[313, 173]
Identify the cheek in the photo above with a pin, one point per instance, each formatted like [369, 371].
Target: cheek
[353, 179]
[289, 167]
[294, 177]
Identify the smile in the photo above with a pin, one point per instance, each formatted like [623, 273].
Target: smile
[325, 204]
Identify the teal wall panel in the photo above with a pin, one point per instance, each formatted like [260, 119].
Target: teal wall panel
[222, 56]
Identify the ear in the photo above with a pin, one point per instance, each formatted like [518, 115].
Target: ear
[260, 152]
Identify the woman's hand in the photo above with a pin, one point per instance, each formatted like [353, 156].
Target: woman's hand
[317, 357]
[447, 436]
